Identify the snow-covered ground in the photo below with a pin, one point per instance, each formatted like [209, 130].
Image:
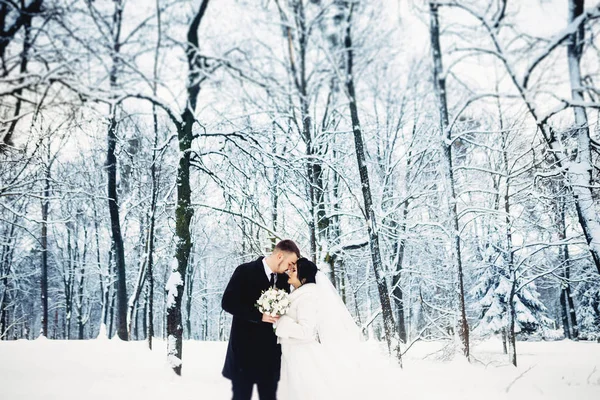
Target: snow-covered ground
[111, 369]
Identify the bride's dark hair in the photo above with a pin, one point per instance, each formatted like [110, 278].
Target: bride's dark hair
[307, 270]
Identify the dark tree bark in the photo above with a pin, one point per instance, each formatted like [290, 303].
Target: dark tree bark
[566, 300]
[6, 259]
[511, 337]
[399, 248]
[111, 170]
[391, 333]
[564, 314]
[155, 186]
[184, 211]
[150, 241]
[111, 294]
[9, 26]
[69, 280]
[333, 231]
[396, 288]
[446, 144]
[139, 285]
[80, 289]
[44, 269]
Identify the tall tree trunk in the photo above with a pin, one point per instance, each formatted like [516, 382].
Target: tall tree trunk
[274, 188]
[68, 280]
[391, 333]
[580, 172]
[333, 232]
[511, 337]
[397, 294]
[6, 259]
[44, 271]
[154, 189]
[399, 251]
[101, 278]
[80, 289]
[137, 289]
[564, 312]
[184, 211]
[566, 295]
[111, 169]
[445, 140]
[512, 318]
[569, 295]
[112, 295]
[150, 242]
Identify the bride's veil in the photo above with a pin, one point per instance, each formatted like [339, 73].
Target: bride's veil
[335, 325]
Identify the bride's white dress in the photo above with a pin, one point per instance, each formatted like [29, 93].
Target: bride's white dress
[304, 367]
[309, 370]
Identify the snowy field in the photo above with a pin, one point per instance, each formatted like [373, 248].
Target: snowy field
[111, 369]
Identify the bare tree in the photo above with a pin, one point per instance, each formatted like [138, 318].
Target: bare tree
[184, 211]
[439, 82]
[391, 332]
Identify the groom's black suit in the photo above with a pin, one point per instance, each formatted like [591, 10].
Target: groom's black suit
[253, 355]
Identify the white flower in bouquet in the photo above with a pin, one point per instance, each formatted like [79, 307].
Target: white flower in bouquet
[273, 302]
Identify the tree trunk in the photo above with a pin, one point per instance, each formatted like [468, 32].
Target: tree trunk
[510, 256]
[332, 257]
[445, 140]
[184, 211]
[111, 170]
[569, 296]
[137, 290]
[397, 289]
[564, 312]
[568, 306]
[44, 271]
[155, 187]
[112, 294]
[512, 315]
[391, 333]
[68, 281]
[580, 172]
[80, 289]
[5, 266]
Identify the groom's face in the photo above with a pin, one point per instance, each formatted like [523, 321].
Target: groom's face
[285, 261]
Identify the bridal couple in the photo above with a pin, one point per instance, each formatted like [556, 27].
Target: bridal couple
[308, 347]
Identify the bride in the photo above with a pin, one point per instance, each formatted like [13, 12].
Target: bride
[317, 336]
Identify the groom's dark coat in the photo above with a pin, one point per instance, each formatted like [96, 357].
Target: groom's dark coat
[253, 352]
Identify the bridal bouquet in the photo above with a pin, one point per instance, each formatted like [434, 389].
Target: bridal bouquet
[273, 302]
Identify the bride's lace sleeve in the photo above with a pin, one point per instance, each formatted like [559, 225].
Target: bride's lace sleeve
[304, 327]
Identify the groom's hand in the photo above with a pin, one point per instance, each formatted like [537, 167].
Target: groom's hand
[269, 319]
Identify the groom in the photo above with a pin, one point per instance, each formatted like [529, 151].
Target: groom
[253, 355]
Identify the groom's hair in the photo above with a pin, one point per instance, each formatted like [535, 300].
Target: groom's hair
[307, 271]
[288, 246]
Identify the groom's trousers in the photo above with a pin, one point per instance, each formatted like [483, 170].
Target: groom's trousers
[242, 389]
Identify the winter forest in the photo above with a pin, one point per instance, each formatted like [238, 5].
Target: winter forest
[439, 160]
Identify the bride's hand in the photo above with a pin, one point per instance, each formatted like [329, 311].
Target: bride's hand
[269, 319]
